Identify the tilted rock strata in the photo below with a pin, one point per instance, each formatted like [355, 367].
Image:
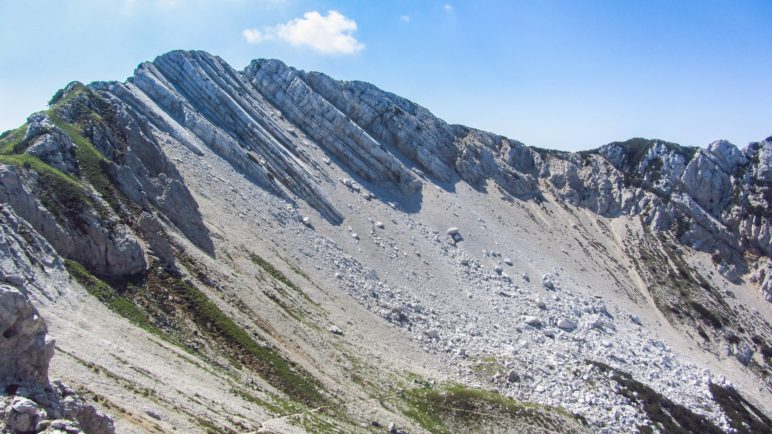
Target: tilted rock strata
[292, 133]
[199, 100]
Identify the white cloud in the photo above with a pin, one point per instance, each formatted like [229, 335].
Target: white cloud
[405, 18]
[330, 34]
[448, 8]
[254, 36]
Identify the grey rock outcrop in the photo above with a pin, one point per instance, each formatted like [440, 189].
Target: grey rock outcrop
[49, 408]
[727, 156]
[24, 351]
[762, 276]
[214, 103]
[22, 251]
[29, 267]
[712, 199]
[707, 183]
[324, 123]
[134, 161]
[50, 144]
[79, 232]
[761, 156]
[22, 415]
[391, 120]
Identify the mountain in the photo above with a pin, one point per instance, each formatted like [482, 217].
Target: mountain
[201, 249]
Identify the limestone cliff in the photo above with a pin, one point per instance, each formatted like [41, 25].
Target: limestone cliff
[162, 196]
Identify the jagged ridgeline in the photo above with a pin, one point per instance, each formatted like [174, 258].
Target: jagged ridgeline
[93, 180]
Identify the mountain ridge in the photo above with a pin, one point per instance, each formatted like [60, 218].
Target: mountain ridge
[151, 184]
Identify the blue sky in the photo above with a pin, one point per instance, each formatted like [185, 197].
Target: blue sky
[559, 74]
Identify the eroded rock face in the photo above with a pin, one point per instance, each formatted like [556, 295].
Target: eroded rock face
[328, 126]
[263, 122]
[55, 408]
[761, 156]
[762, 276]
[50, 144]
[707, 183]
[24, 351]
[726, 155]
[712, 199]
[29, 267]
[391, 120]
[135, 163]
[22, 251]
[96, 240]
[201, 93]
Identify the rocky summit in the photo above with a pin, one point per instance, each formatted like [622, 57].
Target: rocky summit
[202, 249]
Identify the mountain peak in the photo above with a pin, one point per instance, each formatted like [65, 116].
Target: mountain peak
[273, 249]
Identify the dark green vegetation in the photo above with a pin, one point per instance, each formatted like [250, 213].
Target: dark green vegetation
[11, 141]
[635, 149]
[742, 415]
[117, 302]
[89, 111]
[453, 408]
[277, 370]
[170, 303]
[633, 153]
[64, 195]
[670, 417]
[90, 161]
[665, 415]
[678, 290]
[563, 155]
[686, 298]
[158, 301]
[273, 271]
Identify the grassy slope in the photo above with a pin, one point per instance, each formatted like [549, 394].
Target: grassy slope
[454, 408]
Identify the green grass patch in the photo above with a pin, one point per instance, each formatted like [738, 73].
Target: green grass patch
[210, 427]
[246, 396]
[66, 95]
[296, 314]
[488, 366]
[109, 297]
[314, 422]
[454, 408]
[279, 276]
[11, 141]
[91, 163]
[278, 371]
[273, 271]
